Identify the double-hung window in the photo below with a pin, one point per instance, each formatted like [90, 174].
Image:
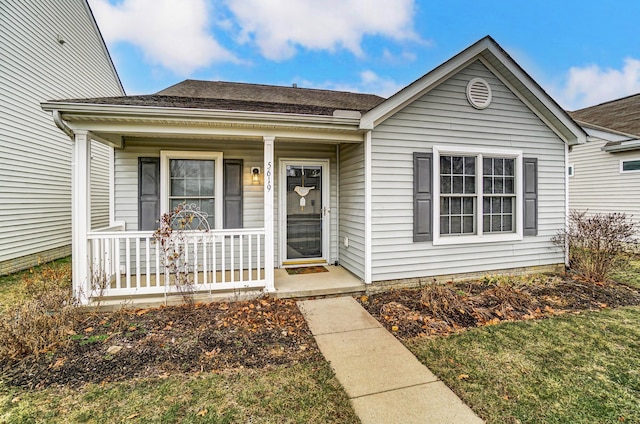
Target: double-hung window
[478, 195]
[194, 178]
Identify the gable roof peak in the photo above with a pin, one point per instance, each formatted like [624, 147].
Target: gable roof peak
[500, 63]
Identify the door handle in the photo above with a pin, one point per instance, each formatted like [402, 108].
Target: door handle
[325, 211]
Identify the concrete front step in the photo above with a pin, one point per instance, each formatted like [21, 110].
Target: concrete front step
[337, 281]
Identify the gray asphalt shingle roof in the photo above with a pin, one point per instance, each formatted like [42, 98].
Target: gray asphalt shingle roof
[619, 115]
[246, 97]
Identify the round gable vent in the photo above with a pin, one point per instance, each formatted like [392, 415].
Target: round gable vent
[479, 93]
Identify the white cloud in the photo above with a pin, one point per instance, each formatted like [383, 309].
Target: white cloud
[591, 85]
[369, 83]
[279, 27]
[171, 33]
[401, 58]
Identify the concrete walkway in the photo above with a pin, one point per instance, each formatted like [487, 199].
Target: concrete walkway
[385, 382]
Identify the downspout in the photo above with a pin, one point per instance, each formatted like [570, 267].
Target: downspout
[57, 118]
[566, 205]
[337, 212]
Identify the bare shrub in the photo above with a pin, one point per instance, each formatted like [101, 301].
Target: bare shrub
[597, 243]
[172, 235]
[446, 304]
[44, 319]
[505, 302]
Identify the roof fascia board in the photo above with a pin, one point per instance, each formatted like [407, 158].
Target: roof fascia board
[105, 49]
[421, 86]
[186, 113]
[381, 112]
[523, 99]
[604, 132]
[150, 112]
[534, 88]
[623, 147]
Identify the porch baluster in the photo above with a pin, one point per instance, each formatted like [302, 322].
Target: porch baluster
[147, 243]
[138, 262]
[233, 259]
[195, 260]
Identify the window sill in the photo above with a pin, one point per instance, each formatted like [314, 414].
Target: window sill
[475, 239]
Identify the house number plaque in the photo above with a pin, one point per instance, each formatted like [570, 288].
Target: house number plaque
[268, 176]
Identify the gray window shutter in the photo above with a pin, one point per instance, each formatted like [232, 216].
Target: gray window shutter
[530, 174]
[148, 193]
[232, 196]
[422, 196]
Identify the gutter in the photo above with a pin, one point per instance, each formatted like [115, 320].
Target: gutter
[623, 146]
[194, 113]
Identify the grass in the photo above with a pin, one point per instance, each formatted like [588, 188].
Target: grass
[12, 286]
[304, 392]
[630, 275]
[571, 369]
[301, 393]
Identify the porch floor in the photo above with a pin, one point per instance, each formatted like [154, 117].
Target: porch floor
[338, 281]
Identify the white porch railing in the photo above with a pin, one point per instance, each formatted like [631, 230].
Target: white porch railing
[124, 263]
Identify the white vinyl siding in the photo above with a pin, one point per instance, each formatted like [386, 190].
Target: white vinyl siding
[352, 208]
[126, 177]
[598, 186]
[100, 184]
[444, 117]
[35, 156]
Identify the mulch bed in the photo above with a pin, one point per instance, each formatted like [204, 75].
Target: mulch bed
[444, 309]
[222, 337]
[215, 337]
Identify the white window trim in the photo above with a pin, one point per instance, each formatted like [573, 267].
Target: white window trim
[439, 240]
[167, 155]
[628, 160]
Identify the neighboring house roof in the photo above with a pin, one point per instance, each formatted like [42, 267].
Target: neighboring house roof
[229, 96]
[621, 115]
[504, 67]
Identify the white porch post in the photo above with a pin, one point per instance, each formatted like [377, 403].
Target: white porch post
[80, 213]
[367, 208]
[268, 214]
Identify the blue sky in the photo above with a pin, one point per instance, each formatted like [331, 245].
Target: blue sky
[582, 52]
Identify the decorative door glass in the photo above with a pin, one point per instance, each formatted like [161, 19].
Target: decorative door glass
[304, 211]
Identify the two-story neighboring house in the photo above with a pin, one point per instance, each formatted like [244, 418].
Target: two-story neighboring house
[48, 50]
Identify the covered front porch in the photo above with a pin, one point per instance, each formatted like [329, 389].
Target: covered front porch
[293, 207]
[221, 265]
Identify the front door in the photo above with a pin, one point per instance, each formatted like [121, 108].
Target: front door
[304, 211]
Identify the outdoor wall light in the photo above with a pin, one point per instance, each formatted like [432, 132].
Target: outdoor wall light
[255, 175]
